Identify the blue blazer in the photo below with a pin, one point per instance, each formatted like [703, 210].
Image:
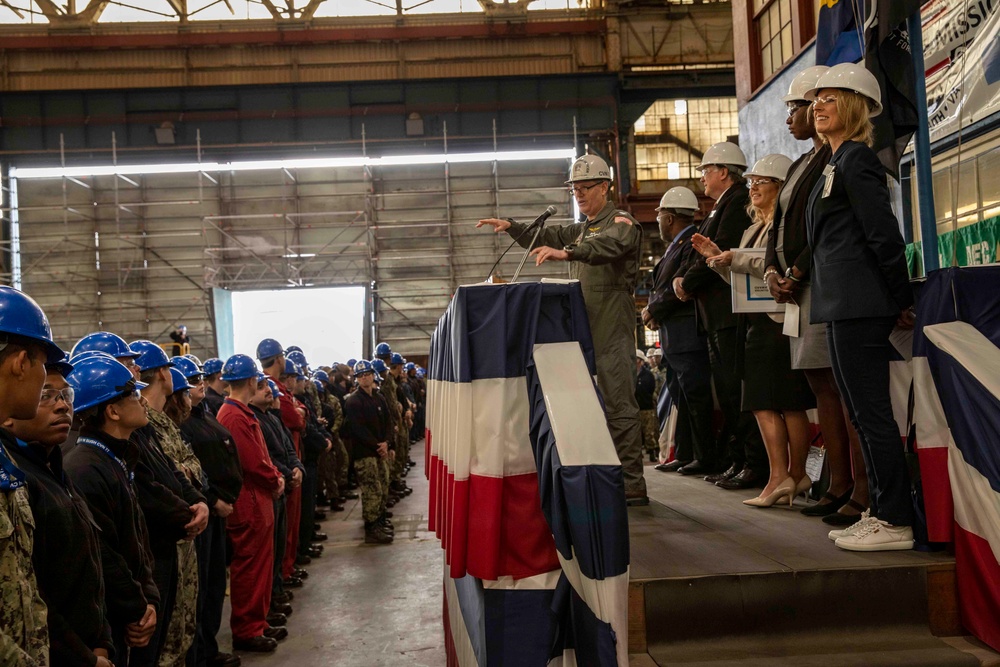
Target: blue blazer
[678, 325]
[859, 264]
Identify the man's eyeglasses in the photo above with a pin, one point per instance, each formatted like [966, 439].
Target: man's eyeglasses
[580, 189]
[792, 107]
[51, 396]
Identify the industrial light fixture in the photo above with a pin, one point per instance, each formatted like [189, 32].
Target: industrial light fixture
[166, 135]
[310, 163]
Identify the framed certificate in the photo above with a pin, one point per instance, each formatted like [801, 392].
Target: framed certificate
[750, 294]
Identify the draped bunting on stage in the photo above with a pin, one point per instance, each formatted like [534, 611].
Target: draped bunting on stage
[529, 504]
[956, 375]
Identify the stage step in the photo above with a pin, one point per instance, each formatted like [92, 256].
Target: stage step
[828, 618]
[715, 583]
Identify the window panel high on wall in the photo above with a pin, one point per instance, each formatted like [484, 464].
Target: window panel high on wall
[673, 134]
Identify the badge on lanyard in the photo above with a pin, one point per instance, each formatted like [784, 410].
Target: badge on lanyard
[829, 171]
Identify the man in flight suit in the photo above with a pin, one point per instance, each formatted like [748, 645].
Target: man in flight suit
[603, 252]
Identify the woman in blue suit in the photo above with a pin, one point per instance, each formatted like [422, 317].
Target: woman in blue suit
[861, 290]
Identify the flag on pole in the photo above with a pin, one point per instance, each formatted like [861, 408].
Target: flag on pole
[888, 57]
[839, 37]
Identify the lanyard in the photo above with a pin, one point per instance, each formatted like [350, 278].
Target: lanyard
[11, 477]
[104, 448]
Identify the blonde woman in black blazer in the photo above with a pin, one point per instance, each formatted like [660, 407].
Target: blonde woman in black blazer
[861, 290]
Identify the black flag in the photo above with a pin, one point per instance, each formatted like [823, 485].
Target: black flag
[888, 57]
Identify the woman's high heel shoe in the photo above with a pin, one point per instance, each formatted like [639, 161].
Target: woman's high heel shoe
[785, 489]
[804, 486]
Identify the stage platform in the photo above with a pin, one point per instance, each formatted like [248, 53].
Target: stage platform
[717, 583]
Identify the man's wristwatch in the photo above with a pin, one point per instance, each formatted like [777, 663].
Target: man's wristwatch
[790, 276]
[569, 249]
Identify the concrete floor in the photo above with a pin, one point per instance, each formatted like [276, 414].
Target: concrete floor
[367, 605]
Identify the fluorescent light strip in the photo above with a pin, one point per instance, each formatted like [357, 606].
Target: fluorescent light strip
[311, 163]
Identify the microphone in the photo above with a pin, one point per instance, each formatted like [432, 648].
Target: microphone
[540, 220]
[538, 223]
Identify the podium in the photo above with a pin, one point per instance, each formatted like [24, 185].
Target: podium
[527, 495]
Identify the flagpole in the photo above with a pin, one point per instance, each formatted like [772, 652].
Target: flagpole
[922, 145]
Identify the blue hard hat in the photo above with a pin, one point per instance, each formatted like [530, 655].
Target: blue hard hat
[268, 348]
[275, 392]
[298, 357]
[180, 380]
[351, 363]
[379, 366]
[396, 359]
[150, 356]
[320, 387]
[21, 316]
[63, 366]
[261, 376]
[212, 366]
[382, 350]
[104, 341]
[362, 367]
[193, 358]
[322, 376]
[409, 366]
[420, 372]
[291, 368]
[292, 348]
[239, 367]
[97, 378]
[188, 368]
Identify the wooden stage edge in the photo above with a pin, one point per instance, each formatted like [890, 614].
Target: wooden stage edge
[693, 530]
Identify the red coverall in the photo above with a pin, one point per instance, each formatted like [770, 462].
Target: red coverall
[251, 525]
[295, 423]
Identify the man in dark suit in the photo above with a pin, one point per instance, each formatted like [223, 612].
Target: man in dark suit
[740, 442]
[685, 349]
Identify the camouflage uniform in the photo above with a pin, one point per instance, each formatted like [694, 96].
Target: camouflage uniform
[650, 431]
[340, 460]
[388, 391]
[183, 623]
[371, 477]
[24, 630]
[660, 374]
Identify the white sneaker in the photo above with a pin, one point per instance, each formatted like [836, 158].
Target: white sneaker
[865, 519]
[878, 536]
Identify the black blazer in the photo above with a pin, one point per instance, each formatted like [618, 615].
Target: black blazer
[678, 324]
[724, 225]
[859, 264]
[796, 248]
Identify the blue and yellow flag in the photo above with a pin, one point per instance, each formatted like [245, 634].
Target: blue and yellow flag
[840, 33]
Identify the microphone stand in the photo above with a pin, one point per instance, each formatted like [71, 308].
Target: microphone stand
[538, 230]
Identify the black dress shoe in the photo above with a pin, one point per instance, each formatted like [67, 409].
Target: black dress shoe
[302, 560]
[745, 480]
[730, 472]
[224, 660]
[843, 518]
[299, 573]
[673, 466]
[259, 644]
[636, 499]
[387, 514]
[276, 619]
[319, 515]
[314, 552]
[696, 467]
[351, 495]
[280, 608]
[319, 537]
[834, 503]
[284, 597]
[276, 633]
[291, 582]
[336, 507]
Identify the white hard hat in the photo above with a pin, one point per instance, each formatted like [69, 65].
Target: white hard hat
[679, 197]
[639, 354]
[848, 76]
[774, 165]
[724, 152]
[589, 168]
[654, 352]
[803, 82]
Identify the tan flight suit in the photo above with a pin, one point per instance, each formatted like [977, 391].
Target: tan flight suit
[605, 259]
